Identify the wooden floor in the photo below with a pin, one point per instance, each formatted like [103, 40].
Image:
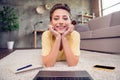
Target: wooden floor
[4, 52]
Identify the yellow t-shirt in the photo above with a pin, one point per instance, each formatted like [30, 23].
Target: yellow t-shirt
[48, 41]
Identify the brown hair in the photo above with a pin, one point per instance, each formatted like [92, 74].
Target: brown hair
[74, 22]
[59, 6]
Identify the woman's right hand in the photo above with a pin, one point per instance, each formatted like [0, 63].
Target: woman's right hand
[54, 32]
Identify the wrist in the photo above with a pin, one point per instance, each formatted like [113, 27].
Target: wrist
[58, 37]
[63, 37]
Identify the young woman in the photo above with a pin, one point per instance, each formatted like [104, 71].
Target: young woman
[60, 42]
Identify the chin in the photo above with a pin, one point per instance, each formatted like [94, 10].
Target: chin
[61, 32]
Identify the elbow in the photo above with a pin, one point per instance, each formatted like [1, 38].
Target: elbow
[47, 64]
[74, 63]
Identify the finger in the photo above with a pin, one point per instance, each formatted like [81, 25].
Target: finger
[69, 28]
[72, 28]
[51, 28]
[55, 27]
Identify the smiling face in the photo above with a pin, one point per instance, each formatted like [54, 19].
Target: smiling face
[60, 20]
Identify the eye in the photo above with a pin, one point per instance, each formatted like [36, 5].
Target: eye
[65, 18]
[56, 18]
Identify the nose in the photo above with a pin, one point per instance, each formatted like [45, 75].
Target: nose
[61, 21]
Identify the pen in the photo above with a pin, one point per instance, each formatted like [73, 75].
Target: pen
[24, 67]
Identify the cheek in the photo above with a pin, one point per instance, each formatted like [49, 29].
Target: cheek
[69, 21]
[54, 22]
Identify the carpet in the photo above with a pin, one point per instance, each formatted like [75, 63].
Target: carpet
[86, 62]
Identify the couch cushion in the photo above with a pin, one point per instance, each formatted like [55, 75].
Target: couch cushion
[100, 22]
[81, 27]
[115, 19]
[86, 34]
[107, 32]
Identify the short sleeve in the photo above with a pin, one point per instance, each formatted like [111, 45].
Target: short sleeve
[75, 43]
[46, 43]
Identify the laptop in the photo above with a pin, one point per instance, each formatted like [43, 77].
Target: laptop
[63, 75]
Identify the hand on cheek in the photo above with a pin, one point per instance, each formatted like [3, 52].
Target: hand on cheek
[72, 27]
[69, 29]
[53, 31]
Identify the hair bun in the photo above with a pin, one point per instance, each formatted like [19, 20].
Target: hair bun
[66, 5]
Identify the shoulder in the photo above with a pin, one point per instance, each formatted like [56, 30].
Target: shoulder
[46, 33]
[75, 33]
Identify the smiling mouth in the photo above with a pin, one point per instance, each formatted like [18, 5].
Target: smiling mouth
[61, 27]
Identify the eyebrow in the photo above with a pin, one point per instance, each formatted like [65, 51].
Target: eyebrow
[56, 16]
[65, 16]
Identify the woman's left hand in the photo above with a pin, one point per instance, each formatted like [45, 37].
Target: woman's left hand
[69, 30]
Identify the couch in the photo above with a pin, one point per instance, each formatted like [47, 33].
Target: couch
[101, 34]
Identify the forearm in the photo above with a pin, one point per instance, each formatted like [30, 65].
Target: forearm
[72, 60]
[50, 59]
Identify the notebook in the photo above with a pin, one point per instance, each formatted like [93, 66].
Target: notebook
[25, 59]
[24, 67]
[63, 75]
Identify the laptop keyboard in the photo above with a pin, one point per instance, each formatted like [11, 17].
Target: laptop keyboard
[63, 78]
[63, 75]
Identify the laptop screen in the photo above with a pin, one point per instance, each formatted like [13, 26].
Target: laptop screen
[63, 75]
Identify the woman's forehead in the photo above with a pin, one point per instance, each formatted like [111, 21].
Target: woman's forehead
[60, 12]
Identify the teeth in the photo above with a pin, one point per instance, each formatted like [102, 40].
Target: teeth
[60, 26]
